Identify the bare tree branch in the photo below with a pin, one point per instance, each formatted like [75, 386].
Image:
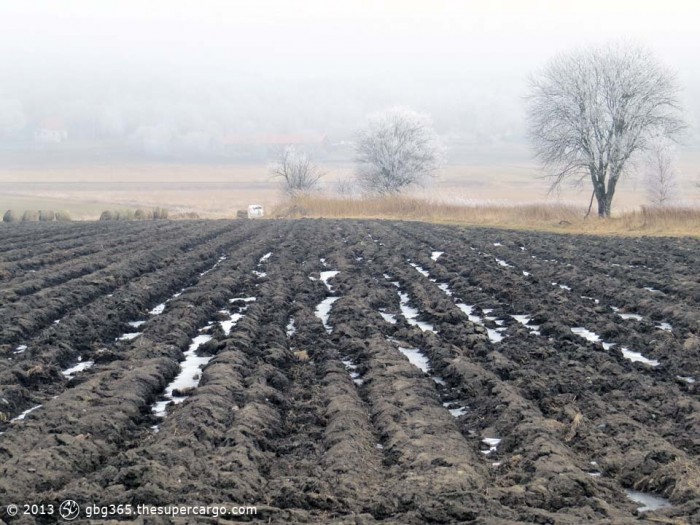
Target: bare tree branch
[661, 176]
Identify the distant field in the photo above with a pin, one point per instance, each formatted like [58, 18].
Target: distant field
[217, 191]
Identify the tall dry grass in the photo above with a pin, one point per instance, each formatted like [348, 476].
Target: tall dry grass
[544, 216]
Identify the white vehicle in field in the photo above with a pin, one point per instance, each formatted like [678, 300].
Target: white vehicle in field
[255, 211]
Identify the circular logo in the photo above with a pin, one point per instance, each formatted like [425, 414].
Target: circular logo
[69, 510]
[12, 510]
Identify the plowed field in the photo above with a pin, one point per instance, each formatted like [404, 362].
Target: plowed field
[348, 372]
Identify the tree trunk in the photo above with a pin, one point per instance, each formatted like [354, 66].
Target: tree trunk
[612, 184]
[600, 195]
[601, 207]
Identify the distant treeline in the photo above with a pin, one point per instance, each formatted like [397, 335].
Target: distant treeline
[35, 216]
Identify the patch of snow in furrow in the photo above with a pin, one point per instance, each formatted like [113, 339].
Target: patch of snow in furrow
[648, 501]
[586, 334]
[492, 444]
[497, 244]
[562, 286]
[522, 248]
[445, 289]
[25, 413]
[325, 276]
[82, 365]
[596, 301]
[652, 290]
[420, 270]
[135, 324]
[323, 261]
[244, 299]
[467, 309]
[416, 358]
[202, 274]
[128, 336]
[359, 259]
[352, 367]
[526, 274]
[228, 325]
[323, 311]
[665, 326]
[524, 320]
[687, 379]
[57, 321]
[157, 310]
[265, 257]
[494, 335]
[501, 262]
[636, 317]
[436, 255]
[389, 318]
[190, 370]
[291, 329]
[20, 349]
[411, 314]
[439, 380]
[259, 275]
[456, 412]
[636, 357]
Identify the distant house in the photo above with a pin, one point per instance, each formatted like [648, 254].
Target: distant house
[51, 131]
[265, 145]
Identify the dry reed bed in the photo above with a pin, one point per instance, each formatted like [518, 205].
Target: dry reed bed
[672, 221]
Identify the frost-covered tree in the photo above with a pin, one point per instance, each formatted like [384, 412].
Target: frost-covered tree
[661, 177]
[298, 172]
[591, 110]
[396, 149]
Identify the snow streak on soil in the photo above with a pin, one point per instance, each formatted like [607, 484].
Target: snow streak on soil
[82, 365]
[190, 372]
[416, 358]
[323, 311]
[25, 413]
[411, 314]
[325, 276]
[648, 501]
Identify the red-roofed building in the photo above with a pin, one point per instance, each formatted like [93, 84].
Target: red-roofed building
[51, 130]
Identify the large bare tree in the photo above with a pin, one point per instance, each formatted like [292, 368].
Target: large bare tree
[299, 174]
[396, 149]
[591, 110]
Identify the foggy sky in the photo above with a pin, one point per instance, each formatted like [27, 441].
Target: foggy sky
[180, 71]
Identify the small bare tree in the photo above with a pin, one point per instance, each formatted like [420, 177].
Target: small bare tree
[661, 176]
[396, 149]
[299, 174]
[591, 110]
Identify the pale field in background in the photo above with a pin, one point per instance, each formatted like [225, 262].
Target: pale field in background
[217, 191]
